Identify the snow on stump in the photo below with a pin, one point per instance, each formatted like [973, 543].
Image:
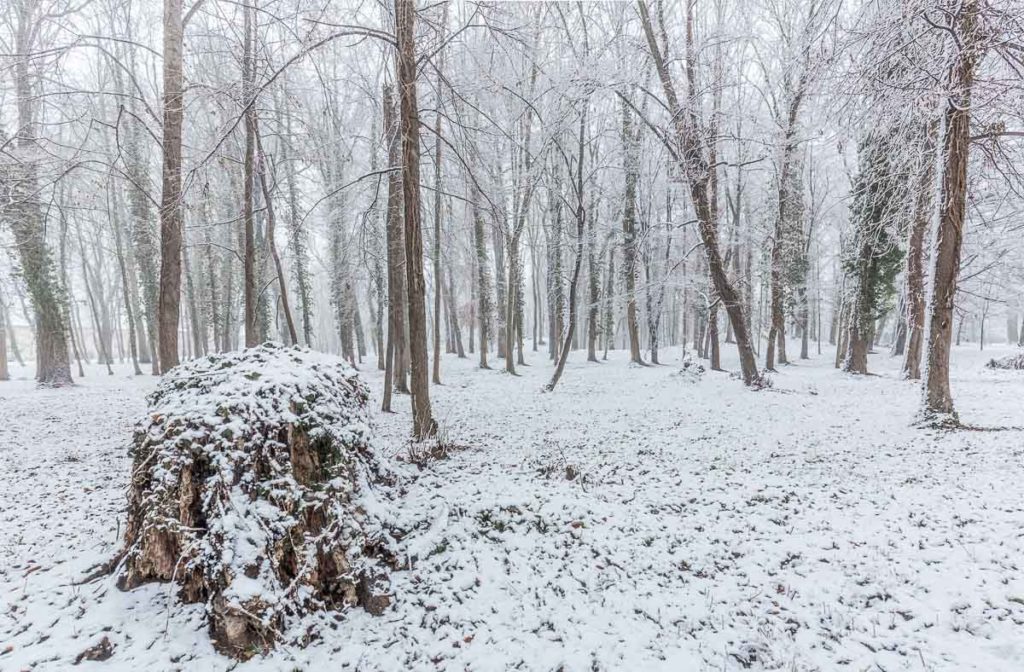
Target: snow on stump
[252, 489]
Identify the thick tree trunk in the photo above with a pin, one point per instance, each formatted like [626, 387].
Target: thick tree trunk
[952, 204]
[423, 421]
[861, 320]
[27, 221]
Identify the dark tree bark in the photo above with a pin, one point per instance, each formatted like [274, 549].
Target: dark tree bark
[423, 421]
[952, 204]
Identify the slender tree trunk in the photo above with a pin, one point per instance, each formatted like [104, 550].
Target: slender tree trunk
[395, 371]
[272, 245]
[119, 247]
[581, 222]
[453, 317]
[694, 165]
[102, 345]
[483, 280]
[252, 335]
[923, 208]
[169, 303]
[5, 315]
[4, 373]
[632, 167]
[594, 293]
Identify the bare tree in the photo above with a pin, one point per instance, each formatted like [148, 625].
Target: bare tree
[424, 424]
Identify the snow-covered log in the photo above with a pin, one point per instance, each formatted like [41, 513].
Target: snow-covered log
[252, 484]
[1015, 362]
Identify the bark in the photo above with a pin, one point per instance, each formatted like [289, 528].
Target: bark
[102, 344]
[581, 223]
[693, 163]
[952, 204]
[500, 290]
[453, 317]
[555, 287]
[196, 325]
[169, 302]
[861, 320]
[915, 299]
[297, 238]
[5, 318]
[631, 168]
[272, 245]
[27, 221]
[423, 421]
[654, 312]
[394, 364]
[483, 279]
[436, 252]
[4, 373]
[251, 292]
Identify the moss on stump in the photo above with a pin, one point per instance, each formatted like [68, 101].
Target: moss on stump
[252, 489]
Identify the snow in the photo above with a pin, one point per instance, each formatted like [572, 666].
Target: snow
[812, 526]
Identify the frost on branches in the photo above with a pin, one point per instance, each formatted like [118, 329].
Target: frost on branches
[252, 483]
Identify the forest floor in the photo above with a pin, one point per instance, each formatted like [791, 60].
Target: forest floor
[634, 519]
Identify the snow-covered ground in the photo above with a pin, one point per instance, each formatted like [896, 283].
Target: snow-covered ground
[634, 519]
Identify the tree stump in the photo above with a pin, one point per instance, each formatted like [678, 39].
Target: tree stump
[252, 489]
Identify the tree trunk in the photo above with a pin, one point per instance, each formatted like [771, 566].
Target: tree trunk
[923, 208]
[438, 279]
[27, 221]
[169, 303]
[581, 218]
[631, 169]
[483, 280]
[252, 337]
[394, 365]
[694, 165]
[423, 421]
[271, 244]
[956, 146]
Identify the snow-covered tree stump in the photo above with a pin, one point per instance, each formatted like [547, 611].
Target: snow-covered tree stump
[252, 490]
